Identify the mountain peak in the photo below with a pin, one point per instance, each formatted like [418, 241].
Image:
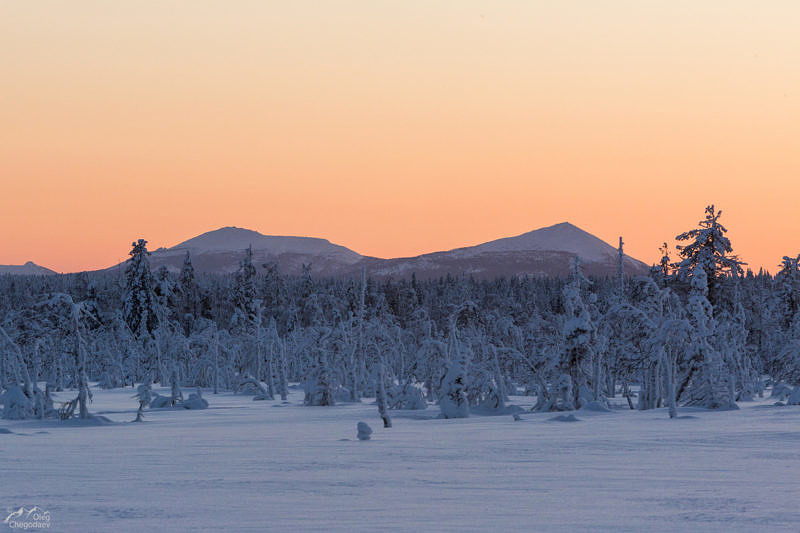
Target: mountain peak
[222, 248]
[561, 226]
[225, 233]
[561, 237]
[28, 269]
[232, 238]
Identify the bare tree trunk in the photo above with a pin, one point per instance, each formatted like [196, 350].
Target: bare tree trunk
[19, 368]
[381, 396]
[270, 372]
[671, 402]
[216, 360]
[685, 382]
[3, 378]
[358, 354]
[611, 382]
[627, 394]
[259, 354]
[596, 378]
[283, 382]
[80, 365]
[158, 372]
[501, 382]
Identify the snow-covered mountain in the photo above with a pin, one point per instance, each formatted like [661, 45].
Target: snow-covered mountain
[237, 239]
[563, 237]
[547, 251]
[28, 269]
[220, 251]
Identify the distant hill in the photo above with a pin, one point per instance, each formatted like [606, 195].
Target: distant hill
[547, 251]
[28, 269]
[220, 251]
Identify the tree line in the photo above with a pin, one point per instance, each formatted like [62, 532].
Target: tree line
[700, 330]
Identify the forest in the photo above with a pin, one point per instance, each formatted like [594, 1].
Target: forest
[701, 330]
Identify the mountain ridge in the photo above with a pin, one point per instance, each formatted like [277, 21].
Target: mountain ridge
[28, 269]
[547, 251]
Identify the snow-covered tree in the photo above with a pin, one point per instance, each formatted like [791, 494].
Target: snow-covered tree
[246, 307]
[709, 249]
[578, 333]
[708, 379]
[139, 305]
[73, 316]
[453, 400]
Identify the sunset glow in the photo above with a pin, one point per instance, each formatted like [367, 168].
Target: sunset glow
[395, 128]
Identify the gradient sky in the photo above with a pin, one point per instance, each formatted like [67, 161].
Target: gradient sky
[395, 128]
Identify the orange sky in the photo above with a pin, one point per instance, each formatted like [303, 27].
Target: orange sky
[395, 128]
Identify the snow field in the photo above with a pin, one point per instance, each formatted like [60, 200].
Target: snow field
[267, 466]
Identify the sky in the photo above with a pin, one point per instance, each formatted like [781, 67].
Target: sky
[395, 128]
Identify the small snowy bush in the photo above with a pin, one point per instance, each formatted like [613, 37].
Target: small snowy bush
[17, 406]
[364, 431]
[406, 396]
[794, 397]
[195, 401]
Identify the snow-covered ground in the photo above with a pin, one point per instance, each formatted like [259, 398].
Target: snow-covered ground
[265, 466]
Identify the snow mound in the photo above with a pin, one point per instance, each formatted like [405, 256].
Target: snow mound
[342, 395]
[195, 401]
[407, 396]
[595, 407]
[781, 391]
[94, 420]
[564, 418]
[160, 402]
[491, 411]
[364, 431]
[794, 398]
